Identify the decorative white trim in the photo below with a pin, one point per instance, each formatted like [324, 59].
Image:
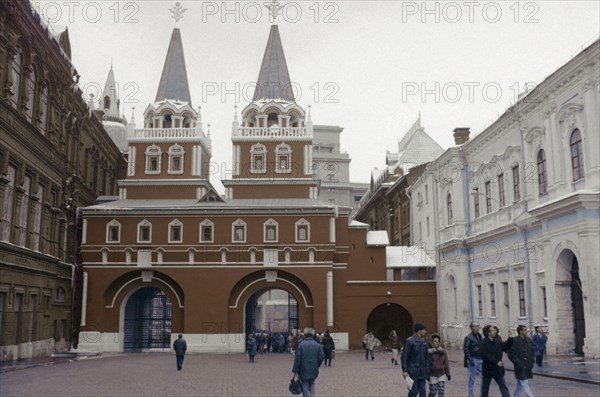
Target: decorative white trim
[210, 224]
[109, 225]
[302, 223]
[271, 222]
[241, 223]
[153, 151]
[143, 223]
[154, 278]
[172, 224]
[237, 300]
[258, 150]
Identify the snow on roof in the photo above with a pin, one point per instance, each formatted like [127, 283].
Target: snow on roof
[407, 256]
[377, 238]
[356, 224]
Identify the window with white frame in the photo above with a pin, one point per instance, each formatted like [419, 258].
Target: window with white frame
[492, 300]
[501, 195]
[153, 156]
[16, 77]
[207, 229]
[542, 173]
[479, 301]
[175, 231]
[24, 211]
[238, 231]
[258, 159]
[176, 153]
[43, 107]
[576, 155]
[270, 231]
[9, 203]
[522, 307]
[113, 231]
[37, 216]
[30, 93]
[144, 232]
[516, 183]
[488, 196]
[283, 155]
[449, 208]
[302, 231]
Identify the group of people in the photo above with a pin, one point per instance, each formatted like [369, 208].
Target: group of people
[422, 360]
[483, 355]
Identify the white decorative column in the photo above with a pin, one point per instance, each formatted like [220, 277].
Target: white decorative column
[330, 298]
[84, 299]
[332, 229]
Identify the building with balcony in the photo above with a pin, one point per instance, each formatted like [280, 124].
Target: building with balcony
[172, 256]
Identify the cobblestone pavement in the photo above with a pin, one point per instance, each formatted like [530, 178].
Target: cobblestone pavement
[155, 374]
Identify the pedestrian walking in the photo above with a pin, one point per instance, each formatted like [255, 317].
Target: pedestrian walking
[491, 349]
[539, 343]
[308, 359]
[370, 342]
[439, 367]
[251, 347]
[394, 345]
[522, 354]
[328, 347]
[415, 361]
[180, 346]
[472, 360]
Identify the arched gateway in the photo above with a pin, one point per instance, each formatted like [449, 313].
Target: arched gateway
[387, 317]
[148, 320]
[569, 311]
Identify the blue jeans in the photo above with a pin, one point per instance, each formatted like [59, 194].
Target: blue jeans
[474, 370]
[179, 362]
[523, 386]
[308, 387]
[485, 386]
[418, 388]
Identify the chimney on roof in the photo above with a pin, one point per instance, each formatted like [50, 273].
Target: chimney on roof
[461, 135]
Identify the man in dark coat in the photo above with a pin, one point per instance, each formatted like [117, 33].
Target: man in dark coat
[491, 349]
[522, 355]
[539, 342]
[328, 347]
[472, 356]
[308, 359]
[415, 361]
[180, 346]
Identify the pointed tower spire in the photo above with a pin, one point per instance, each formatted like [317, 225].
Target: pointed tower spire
[274, 79]
[173, 81]
[109, 102]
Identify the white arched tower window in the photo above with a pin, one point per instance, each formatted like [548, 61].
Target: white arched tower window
[160, 255]
[238, 231]
[287, 254]
[176, 153]
[113, 231]
[105, 252]
[311, 255]
[258, 159]
[302, 231]
[153, 156]
[191, 255]
[128, 255]
[144, 232]
[252, 255]
[207, 231]
[223, 255]
[270, 231]
[283, 156]
[175, 231]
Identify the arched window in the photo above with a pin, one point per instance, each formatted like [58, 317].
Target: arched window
[105, 252]
[253, 255]
[106, 102]
[311, 255]
[153, 156]
[542, 173]
[302, 231]
[206, 231]
[576, 155]
[238, 231]
[270, 231]
[283, 154]
[167, 121]
[30, 93]
[258, 158]
[287, 253]
[113, 231]
[16, 77]
[449, 207]
[175, 231]
[176, 153]
[144, 232]
[60, 294]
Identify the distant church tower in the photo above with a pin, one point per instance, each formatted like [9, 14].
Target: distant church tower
[169, 156]
[114, 123]
[272, 146]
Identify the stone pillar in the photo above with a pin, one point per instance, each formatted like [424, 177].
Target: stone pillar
[330, 298]
[332, 229]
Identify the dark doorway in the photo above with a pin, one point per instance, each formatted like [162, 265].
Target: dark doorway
[148, 316]
[384, 318]
[271, 310]
[577, 303]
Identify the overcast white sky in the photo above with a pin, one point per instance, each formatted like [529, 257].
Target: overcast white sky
[368, 66]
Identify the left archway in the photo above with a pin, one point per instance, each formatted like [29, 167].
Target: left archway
[148, 320]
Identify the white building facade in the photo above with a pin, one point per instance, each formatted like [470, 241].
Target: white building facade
[515, 216]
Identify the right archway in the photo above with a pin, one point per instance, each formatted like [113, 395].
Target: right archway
[569, 300]
[388, 316]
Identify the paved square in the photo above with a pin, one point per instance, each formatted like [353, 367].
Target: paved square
[232, 375]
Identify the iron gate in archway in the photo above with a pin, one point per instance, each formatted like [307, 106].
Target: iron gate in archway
[148, 319]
